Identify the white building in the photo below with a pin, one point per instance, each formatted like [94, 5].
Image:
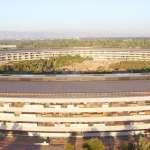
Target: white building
[99, 108]
[3, 46]
[95, 53]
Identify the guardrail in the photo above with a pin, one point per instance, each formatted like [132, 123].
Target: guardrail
[74, 95]
[75, 77]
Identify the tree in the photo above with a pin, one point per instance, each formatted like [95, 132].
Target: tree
[128, 146]
[69, 147]
[93, 144]
[2, 135]
[144, 144]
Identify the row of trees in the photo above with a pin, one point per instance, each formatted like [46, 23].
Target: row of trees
[50, 65]
[96, 144]
[115, 43]
[61, 43]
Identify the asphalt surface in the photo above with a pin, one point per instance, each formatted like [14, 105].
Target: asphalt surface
[75, 86]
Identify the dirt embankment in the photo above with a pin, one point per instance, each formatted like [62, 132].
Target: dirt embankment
[90, 65]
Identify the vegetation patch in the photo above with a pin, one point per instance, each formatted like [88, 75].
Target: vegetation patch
[131, 66]
[64, 43]
[51, 65]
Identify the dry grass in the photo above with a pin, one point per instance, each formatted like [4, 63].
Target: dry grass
[90, 65]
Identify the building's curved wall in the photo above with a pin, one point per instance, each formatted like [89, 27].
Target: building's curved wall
[63, 115]
[97, 54]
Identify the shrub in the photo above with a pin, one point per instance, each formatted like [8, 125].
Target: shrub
[69, 147]
[144, 144]
[93, 144]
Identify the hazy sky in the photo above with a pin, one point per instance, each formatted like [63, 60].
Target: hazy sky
[100, 17]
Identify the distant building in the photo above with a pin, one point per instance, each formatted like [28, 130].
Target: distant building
[95, 53]
[2, 46]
